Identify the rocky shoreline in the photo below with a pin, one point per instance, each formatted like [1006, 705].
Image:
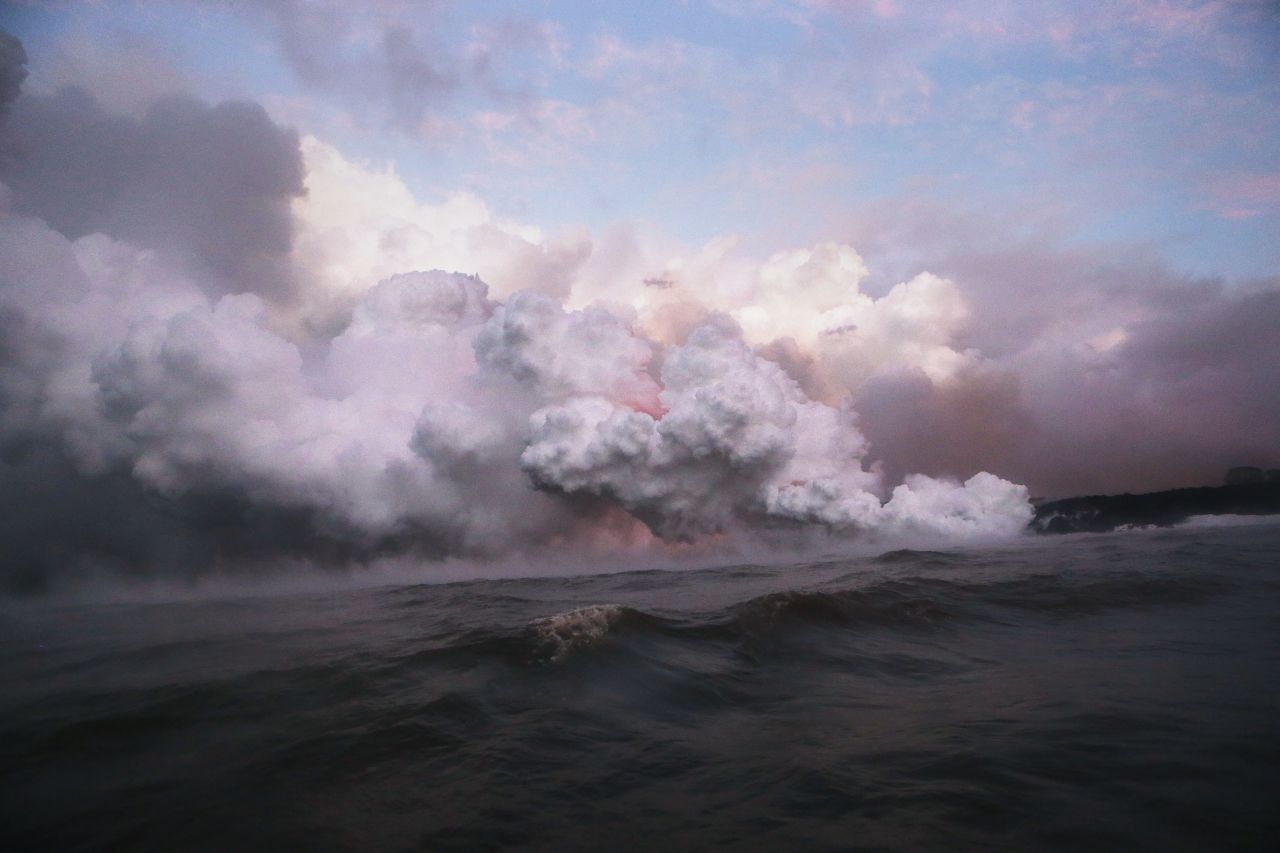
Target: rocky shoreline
[1102, 513]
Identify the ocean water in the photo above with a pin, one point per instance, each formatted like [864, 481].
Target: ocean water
[1117, 691]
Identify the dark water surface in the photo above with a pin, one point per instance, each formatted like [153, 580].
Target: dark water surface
[1117, 691]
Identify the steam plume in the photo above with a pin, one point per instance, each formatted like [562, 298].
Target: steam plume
[222, 345]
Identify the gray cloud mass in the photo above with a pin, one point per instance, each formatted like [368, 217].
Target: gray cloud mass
[208, 186]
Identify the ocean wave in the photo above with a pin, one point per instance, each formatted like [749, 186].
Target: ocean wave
[884, 605]
[915, 557]
[1064, 596]
[558, 636]
[918, 603]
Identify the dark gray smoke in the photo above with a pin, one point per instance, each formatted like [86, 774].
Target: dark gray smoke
[13, 69]
[210, 187]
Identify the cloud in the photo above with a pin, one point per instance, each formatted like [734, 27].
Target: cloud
[405, 65]
[736, 441]
[358, 223]
[210, 187]
[1244, 195]
[124, 72]
[435, 421]
[260, 349]
[1019, 356]
[361, 54]
[13, 68]
[1092, 367]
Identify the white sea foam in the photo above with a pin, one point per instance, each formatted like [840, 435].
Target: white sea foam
[1229, 520]
[583, 628]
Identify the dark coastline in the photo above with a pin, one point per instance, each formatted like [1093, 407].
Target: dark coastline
[1103, 513]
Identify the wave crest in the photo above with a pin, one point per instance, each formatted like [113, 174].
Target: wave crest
[558, 636]
[884, 606]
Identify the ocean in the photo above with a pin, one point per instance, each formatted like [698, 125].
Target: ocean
[1087, 692]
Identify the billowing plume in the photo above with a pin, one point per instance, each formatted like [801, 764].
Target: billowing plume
[437, 419]
[223, 345]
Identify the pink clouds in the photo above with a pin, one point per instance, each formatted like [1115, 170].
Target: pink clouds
[1244, 195]
[1176, 17]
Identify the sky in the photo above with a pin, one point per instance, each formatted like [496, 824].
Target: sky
[1151, 121]
[481, 279]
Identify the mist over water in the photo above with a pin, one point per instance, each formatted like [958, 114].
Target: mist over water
[1115, 691]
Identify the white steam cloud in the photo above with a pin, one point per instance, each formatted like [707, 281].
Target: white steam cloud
[421, 400]
[222, 345]
[345, 372]
[439, 415]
